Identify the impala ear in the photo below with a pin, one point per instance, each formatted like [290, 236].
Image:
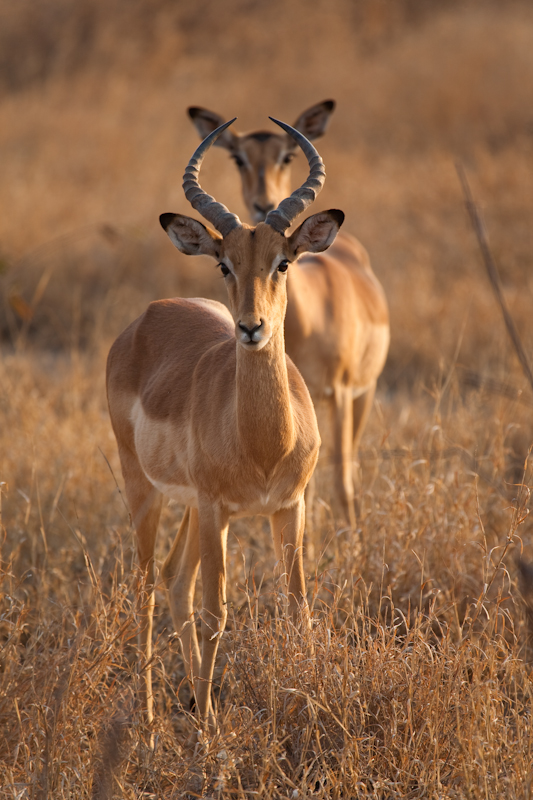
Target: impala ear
[314, 121]
[316, 233]
[206, 122]
[190, 236]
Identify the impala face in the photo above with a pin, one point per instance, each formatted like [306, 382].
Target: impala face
[256, 280]
[263, 161]
[254, 263]
[264, 158]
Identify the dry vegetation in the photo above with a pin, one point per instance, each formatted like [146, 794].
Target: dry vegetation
[420, 683]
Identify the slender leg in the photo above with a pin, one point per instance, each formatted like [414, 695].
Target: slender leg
[362, 406]
[179, 574]
[313, 539]
[213, 529]
[145, 506]
[310, 524]
[343, 452]
[287, 527]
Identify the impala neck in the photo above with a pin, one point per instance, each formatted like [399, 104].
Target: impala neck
[264, 411]
[297, 321]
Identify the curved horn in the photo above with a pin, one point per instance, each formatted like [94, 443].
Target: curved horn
[216, 213]
[287, 211]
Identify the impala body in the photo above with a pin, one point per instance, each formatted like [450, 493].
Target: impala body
[337, 321]
[208, 409]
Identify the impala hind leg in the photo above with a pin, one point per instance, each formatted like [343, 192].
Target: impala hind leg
[145, 507]
[310, 520]
[343, 452]
[362, 406]
[213, 535]
[179, 575]
[287, 527]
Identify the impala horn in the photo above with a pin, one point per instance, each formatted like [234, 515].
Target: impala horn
[287, 211]
[215, 213]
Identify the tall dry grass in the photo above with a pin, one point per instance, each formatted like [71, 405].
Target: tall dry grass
[420, 685]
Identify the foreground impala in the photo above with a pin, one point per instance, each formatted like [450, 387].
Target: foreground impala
[207, 409]
[337, 322]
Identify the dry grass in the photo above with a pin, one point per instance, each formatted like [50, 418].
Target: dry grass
[416, 680]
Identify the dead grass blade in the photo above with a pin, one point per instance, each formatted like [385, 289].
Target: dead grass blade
[492, 271]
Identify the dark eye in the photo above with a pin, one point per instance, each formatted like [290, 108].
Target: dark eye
[224, 270]
[283, 265]
[288, 158]
[238, 160]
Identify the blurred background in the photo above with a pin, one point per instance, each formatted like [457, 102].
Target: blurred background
[94, 137]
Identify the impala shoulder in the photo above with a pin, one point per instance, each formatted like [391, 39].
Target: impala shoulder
[196, 319]
[216, 368]
[218, 309]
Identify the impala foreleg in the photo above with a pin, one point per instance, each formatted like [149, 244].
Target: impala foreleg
[287, 527]
[145, 506]
[213, 534]
[179, 575]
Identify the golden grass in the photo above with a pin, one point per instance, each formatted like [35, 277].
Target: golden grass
[419, 684]
[416, 679]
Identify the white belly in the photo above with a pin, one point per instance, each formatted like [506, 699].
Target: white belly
[166, 468]
[163, 465]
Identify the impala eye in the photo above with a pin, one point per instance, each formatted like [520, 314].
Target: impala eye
[283, 265]
[288, 158]
[238, 160]
[224, 269]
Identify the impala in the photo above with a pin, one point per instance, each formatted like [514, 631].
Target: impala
[337, 321]
[208, 409]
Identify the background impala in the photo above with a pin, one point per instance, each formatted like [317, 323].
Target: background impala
[337, 322]
[427, 703]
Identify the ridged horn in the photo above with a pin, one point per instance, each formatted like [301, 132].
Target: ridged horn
[215, 213]
[287, 211]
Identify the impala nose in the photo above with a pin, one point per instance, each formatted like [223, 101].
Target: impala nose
[260, 211]
[249, 332]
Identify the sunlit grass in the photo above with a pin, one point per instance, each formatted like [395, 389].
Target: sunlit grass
[415, 681]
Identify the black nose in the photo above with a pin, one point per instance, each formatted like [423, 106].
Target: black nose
[263, 210]
[250, 331]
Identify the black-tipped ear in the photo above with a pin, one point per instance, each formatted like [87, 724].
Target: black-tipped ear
[316, 233]
[338, 215]
[206, 122]
[314, 121]
[190, 236]
[165, 220]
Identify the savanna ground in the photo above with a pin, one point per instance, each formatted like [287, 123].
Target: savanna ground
[420, 685]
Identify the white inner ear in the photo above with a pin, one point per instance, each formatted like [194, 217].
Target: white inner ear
[184, 237]
[322, 232]
[191, 237]
[316, 234]
[176, 241]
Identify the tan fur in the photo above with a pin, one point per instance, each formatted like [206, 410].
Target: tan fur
[337, 322]
[265, 176]
[221, 422]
